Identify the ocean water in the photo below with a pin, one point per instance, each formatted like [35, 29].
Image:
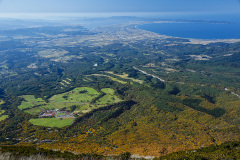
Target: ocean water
[213, 26]
[195, 30]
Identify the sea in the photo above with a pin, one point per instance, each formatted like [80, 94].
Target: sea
[198, 26]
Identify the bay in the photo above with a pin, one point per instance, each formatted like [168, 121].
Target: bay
[200, 30]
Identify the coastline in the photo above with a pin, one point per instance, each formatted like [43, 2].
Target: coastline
[192, 40]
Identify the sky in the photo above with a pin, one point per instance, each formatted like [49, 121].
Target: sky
[77, 6]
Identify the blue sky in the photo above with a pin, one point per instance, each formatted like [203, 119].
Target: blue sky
[46, 6]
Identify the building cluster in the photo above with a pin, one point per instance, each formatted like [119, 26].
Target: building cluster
[48, 113]
[56, 113]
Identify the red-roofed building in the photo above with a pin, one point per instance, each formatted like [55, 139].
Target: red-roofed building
[48, 115]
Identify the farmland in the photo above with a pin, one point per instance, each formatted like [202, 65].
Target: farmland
[1, 102]
[125, 76]
[3, 117]
[83, 94]
[51, 122]
[1, 112]
[30, 101]
[109, 98]
[81, 99]
[112, 78]
[78, 96]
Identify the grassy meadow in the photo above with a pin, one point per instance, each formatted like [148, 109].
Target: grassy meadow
[1, 102]
[1, 112]
[83, 94]
[3, 117]
[81, 97]
[109, 98]
[51, 122]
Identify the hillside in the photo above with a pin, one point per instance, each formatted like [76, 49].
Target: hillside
[115, 90]
[228, 150]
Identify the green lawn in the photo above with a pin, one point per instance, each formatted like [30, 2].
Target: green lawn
[51, 122]
[3, 117]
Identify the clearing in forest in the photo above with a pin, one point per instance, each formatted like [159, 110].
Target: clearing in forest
[125, 76]
[3, 117]
[1, 102]
[1, 112]
[76, 101]
[83, 94]
[112, 78]
[109, 98]
[51, 122]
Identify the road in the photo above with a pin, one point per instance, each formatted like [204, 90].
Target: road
[149, 74]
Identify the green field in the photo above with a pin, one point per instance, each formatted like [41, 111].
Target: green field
[30, 101]
[35, 110]
[59, 114]
[83, 107]
[1, 102]
[108, 91]
[125, 76]
[3, 117]
[76, 96]
[109, 98]
[51, 122]
[81, 97]
[1, 112]
[112, 78]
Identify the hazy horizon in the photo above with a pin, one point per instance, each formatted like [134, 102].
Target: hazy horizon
[79, 6]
